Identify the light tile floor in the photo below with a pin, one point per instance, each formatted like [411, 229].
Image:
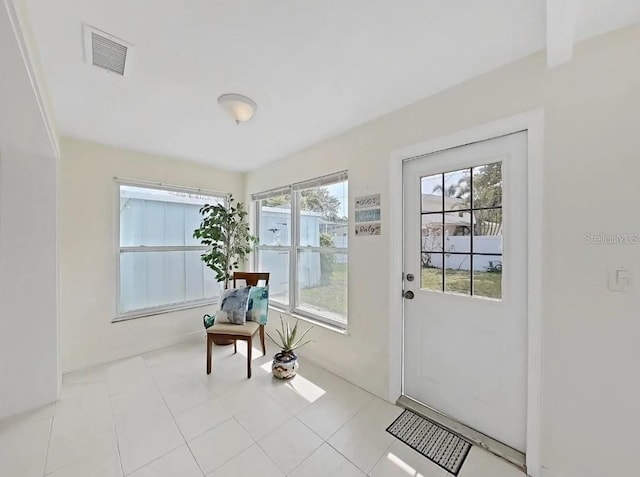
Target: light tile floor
[160, 415]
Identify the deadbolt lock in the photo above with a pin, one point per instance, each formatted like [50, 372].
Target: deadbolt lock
[410, 277]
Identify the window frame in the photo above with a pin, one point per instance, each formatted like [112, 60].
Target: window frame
[159, 309]
[294, 248]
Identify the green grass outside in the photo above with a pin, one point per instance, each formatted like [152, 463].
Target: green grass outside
[332, 297]
[485, 284]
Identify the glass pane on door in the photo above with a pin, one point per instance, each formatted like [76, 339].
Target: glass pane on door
[487, 276]
[457, 273]
[431, 271]
[487, 185]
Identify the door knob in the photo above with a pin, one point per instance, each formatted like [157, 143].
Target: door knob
[408, 294]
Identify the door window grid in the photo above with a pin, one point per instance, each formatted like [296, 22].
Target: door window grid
[454, 207]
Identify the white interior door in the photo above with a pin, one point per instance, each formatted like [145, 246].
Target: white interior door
[465, 261]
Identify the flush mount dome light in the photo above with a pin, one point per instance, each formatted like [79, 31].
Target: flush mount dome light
[239, 107]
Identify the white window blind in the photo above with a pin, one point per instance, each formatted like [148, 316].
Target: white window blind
[271, 193]
[320, 181]
[159, 265]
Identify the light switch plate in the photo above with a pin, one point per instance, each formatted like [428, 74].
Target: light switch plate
[621, 279]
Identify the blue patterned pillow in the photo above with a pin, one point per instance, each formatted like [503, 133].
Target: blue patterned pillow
[258, 309]
[233, 305]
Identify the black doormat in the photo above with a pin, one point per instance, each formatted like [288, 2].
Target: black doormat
[432, 441]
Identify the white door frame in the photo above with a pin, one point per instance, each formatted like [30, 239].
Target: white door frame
[533, 122]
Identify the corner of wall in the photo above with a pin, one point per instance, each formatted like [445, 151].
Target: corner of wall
[19, 18]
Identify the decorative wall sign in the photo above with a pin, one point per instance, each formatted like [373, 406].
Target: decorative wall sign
[372, 228]
[367, 215]
[367, 201]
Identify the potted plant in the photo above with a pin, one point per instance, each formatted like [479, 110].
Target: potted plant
[285, 363]
[224, 229]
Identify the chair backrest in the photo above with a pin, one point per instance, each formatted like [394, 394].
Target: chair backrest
[251, 278]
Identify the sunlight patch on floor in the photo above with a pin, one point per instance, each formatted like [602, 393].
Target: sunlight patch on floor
[305, 388]
[266, 367]
[255, 352]
[402, 465]
[300, 385]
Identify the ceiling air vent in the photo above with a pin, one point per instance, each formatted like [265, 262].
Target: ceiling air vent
[106, 51]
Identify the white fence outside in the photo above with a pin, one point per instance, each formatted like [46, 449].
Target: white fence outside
[275, 223]
[489, 244]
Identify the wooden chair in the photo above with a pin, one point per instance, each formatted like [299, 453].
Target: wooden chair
[246, 332]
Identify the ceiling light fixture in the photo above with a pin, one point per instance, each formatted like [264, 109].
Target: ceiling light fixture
[239, 107]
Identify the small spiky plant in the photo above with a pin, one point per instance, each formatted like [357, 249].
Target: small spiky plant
[289, 340]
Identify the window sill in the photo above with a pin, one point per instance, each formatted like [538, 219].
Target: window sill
[162, 310]
[312, 321]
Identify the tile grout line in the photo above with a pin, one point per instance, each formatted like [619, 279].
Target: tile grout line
[322, 440]
[292, 416]
[46, 451]
[204, 432]
[304, 460]
[53, 418]
[236, 455]
[346, 458]
[153, 460]
[307, 427]
[342, 427]
[214, 396]
[314, 450]
[113, 418]
[115, 427]
[386, 451]
[148, 367]
[275, 429]
[69, 464]
[325, 441]
[269, 457]
[186, 443]
[256, 440]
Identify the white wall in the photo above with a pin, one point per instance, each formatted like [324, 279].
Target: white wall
[28, 281]
[88, 257]
[591, 167]
[29, 375]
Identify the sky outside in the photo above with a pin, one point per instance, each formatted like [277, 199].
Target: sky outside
[341, 192]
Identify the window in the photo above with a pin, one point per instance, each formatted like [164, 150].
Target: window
[303, 232]
[159, 265]
[461, 231]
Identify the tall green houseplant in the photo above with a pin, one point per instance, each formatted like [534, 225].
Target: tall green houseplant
[224, 229]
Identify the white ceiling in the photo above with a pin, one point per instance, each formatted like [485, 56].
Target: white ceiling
[315, 68]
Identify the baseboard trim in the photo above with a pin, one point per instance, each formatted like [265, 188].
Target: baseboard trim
[180, 339]
[339, 372]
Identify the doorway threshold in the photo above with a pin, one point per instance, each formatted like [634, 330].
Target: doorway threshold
[513, 456]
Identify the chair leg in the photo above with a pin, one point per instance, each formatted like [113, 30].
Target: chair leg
[249, 348]
[209, 345]
[235, 346]
[264, 349]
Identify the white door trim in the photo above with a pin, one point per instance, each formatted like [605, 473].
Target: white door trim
[533, 122]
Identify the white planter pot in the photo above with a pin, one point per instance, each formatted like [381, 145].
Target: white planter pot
[284, 365]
